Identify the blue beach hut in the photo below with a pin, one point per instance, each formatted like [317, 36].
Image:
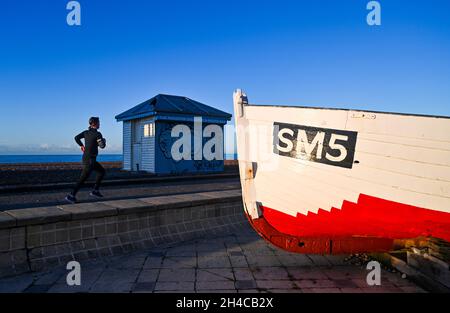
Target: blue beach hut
[151, 135]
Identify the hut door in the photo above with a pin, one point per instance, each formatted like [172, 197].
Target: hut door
[136, 152]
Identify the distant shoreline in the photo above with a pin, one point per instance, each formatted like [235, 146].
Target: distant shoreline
[53, 158]
[52, 166]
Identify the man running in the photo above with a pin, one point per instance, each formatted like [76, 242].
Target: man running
[92, 140]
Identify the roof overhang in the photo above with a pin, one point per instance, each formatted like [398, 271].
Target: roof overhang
[134, 117]
[187, 118]
[174, 117]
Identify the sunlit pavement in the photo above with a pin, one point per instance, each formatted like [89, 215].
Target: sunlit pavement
[20, 200]
[241, 262]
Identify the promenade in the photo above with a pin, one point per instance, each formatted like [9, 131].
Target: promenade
[24, 199]
[241, 262]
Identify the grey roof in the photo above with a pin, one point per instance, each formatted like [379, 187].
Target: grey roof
[171, 105]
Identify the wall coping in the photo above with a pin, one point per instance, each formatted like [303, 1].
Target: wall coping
[79, 211]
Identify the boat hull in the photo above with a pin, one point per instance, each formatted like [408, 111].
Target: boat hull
[342, 181]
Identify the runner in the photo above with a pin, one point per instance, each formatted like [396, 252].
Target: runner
[92, 140]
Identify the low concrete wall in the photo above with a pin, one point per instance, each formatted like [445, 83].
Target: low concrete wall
[39, 238]
[53, 166]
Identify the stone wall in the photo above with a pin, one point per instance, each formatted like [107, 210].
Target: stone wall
[39, 238]
[53, 166]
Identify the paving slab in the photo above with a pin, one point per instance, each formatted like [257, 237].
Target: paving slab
[245, 284]
[316, 283]
[262, 260]
[250, 291]
[177, 275]
[215, 274]
[299, 273]
[128, 206]
[144, 287]
[284, 291]
[148, 276]
[16, 284]
[50, 278]
[291, 261]
[212, 254]
[213, 262]
[129, 262]
[242, 263]
[153, 262]
[243, 274]
[319, 260]
[174, 286]
[116, 287]
[238, 261]
[6, 220]
[64, 288]
[179, 262]
[88, 210]
[275, 284]
[351, 290]
[38, 288]
[217, 291]
[321, 290]
[40, 215]
[118, 276]
[412, 289]
[215, 285]
[264, 273]
[382, 289]
[345, 272]
[186, 251]
[210, 247]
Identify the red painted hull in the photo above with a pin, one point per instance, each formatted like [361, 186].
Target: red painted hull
[370, 225]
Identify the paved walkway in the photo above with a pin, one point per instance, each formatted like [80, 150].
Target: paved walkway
[234, 263]
[49, 198]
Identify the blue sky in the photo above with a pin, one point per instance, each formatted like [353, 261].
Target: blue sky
[318, 53]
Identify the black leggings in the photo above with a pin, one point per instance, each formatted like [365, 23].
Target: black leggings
[89, 166]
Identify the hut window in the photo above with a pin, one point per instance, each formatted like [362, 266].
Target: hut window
[149, 130]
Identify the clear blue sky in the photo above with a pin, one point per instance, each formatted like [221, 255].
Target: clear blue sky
[320, 53]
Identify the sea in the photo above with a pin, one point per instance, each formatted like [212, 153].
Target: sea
[65, 158]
